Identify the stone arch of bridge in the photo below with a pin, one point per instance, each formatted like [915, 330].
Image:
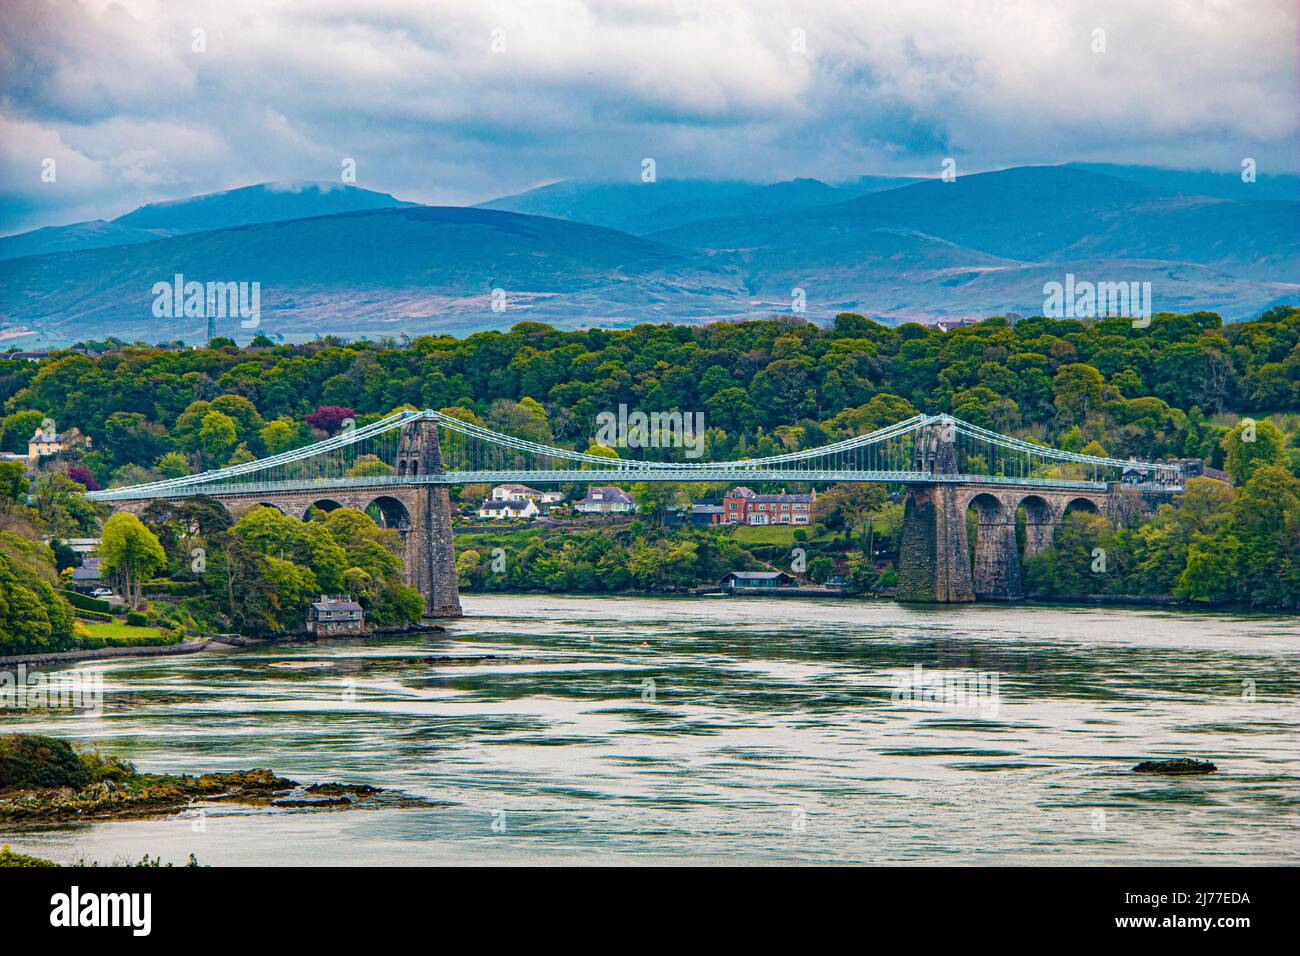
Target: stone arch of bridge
[1040, 523]
[390, 512]
[319, 508]
[238, 507]
[1079, 503]
[995, 569]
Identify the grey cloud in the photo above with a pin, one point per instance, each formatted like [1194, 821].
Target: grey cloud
[416, 94]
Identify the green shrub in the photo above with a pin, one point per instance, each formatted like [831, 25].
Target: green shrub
[9, 858]
[79, 600]
[103, 768]
[137, 619]
[92, 615]
[32, 760]
[166, 587]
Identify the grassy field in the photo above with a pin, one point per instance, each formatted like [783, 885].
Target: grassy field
[764, 534]
[117, 634]
[777, 534]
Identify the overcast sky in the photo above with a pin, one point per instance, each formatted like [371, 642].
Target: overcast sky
[457, 101]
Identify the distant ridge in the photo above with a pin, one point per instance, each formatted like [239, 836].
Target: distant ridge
[641, 208]
[983, 245]
[265, 202]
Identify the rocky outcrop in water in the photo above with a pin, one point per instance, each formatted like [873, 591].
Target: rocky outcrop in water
[1178, 766]
[45, 779]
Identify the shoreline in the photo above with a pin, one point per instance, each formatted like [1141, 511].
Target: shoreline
[186, 646]
[98, 653]
[233, 641]
[1153, 602]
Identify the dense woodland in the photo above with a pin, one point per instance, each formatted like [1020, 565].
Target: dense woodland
[1183, 386]
[763, 385]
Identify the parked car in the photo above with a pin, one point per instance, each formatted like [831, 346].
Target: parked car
[102, 593]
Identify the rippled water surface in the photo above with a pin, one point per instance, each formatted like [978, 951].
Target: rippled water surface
[769, 735]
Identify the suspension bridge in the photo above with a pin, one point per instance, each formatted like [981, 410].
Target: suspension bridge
[400, 469]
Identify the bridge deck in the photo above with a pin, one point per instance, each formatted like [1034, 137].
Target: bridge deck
[615, 477]
[925, 449]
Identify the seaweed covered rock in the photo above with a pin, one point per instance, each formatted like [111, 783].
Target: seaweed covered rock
[1179, 766]
[35, 761]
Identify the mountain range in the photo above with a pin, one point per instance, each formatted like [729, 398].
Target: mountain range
[333, 259]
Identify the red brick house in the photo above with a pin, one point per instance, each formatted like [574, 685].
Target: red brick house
[744, 506]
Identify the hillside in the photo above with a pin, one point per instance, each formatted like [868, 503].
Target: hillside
[375, 272]
[266, 202]
[984, 244]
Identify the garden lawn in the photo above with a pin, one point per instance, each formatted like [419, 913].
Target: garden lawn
[117, 634]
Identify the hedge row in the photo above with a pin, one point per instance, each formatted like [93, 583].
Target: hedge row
[152, 640]
[177, 588]
[79, 600]
[92, 615]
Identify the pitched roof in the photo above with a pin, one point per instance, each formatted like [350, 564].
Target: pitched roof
[609, 493]
[336, 605]
[756, 575]
[491, 505]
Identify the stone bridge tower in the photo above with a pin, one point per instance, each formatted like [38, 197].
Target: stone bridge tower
[932, 561]
[430, 548]
[935, 563]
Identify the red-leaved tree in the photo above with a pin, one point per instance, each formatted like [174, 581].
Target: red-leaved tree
[330, 418]
[82, 476]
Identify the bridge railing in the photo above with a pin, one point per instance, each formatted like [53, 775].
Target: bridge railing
[473, 453]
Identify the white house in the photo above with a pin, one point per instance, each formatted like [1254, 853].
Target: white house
[514, 492]
[606, 499]
[501, 510]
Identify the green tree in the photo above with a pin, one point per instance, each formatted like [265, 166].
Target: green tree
[13, 483]
[281, 435]
[34, 617]
[1266, 519]
[63, 507]
[1212, 569]
[654, 499]
[1250, 446]
[368, 466]
[468, 570]
[173, 465]
[133, 552]
[293, 588]
[217, 435]
[846, 507]
[731, 409]
[524, 419]
[17, 429]
[1077, 391]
